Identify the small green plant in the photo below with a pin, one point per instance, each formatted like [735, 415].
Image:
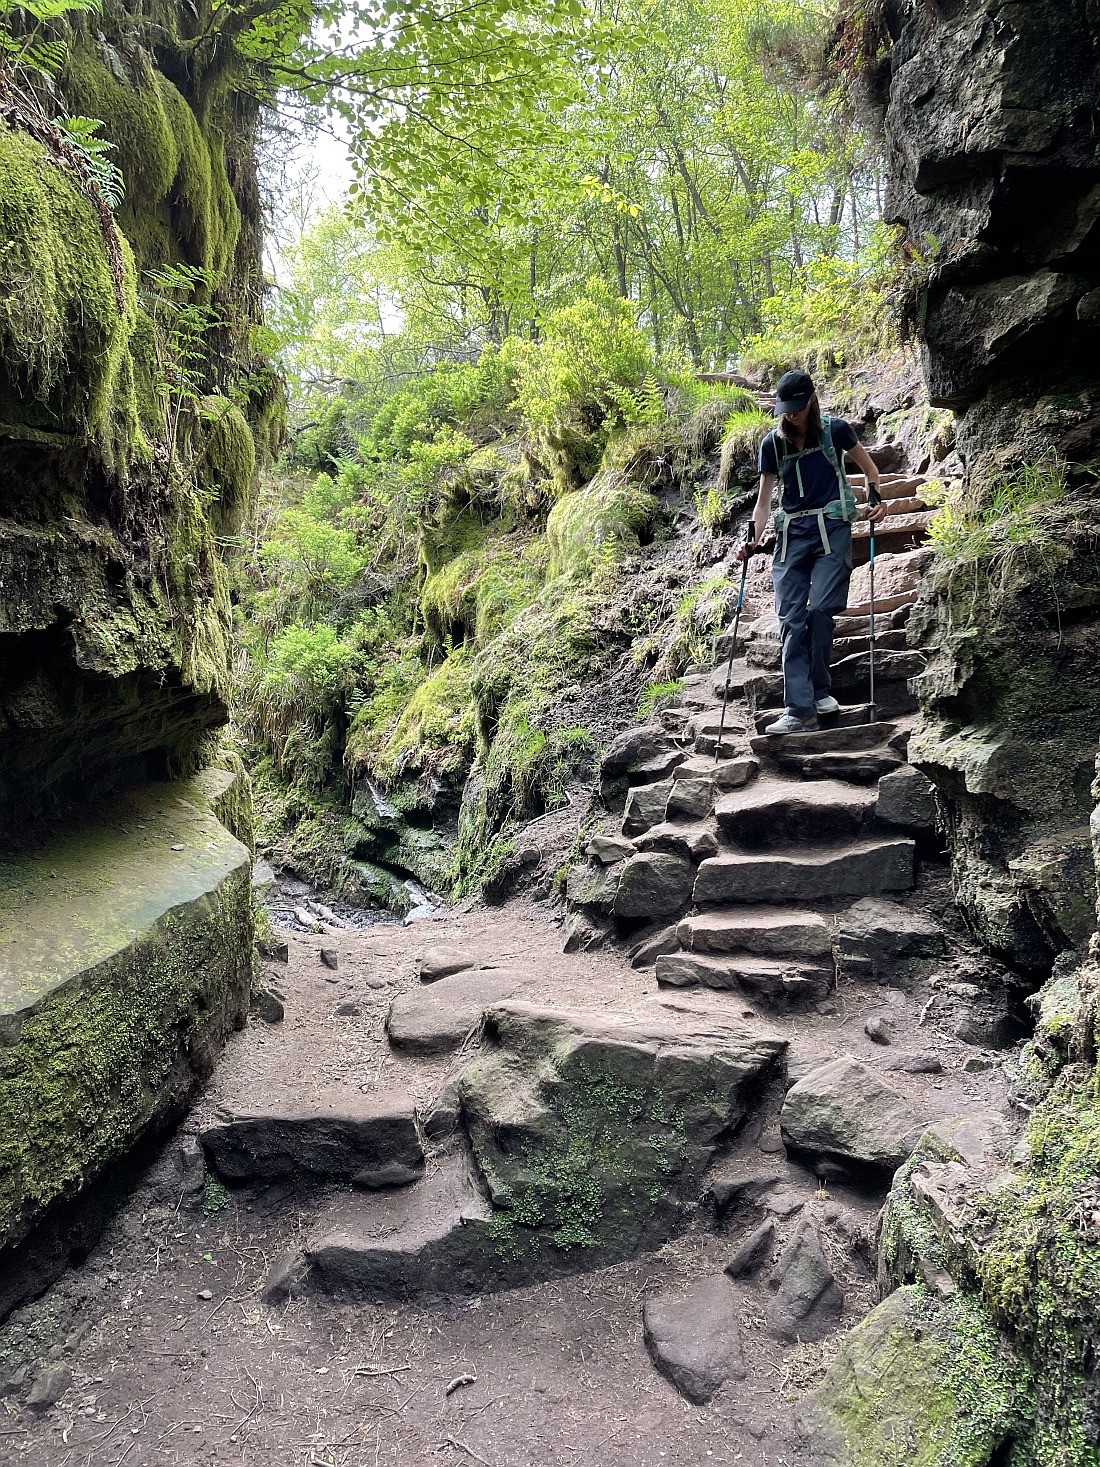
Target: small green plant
[658, 696]
[215, 1196]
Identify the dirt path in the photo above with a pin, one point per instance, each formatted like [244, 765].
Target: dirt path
[173, 1359]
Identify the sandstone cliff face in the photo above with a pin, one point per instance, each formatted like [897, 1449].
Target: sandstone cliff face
[132, 415]
[994, 173]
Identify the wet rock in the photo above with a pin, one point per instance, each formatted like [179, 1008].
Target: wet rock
[50, 1384]
[371, 1142]
[844, 1110]
[286, 1278]
[645, 806]
[441, 962]
[609, 849]
[436, 1019]
[752, 1250]
[693, 1338]
[653, 884]
[807, 1302]
[875, 1029]
[329, 958]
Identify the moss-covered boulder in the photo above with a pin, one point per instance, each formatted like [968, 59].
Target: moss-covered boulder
[593, 1133]
[125, 960]
[922, 1381]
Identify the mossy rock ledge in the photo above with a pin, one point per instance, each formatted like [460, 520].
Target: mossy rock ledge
[125, 961]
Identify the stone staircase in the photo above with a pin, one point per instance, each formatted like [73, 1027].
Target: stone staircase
[779, 834]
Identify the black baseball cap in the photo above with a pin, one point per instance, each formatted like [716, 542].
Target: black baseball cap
[793, 392]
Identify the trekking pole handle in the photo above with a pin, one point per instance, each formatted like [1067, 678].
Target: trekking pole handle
[873, 496]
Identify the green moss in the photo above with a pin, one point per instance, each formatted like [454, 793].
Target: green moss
[1039, 1265]
[924, 1383]
[598, 524]
[224, 466]
[478, 592]
[178, 202]
[64, 338]
[116, 1006]
[435, 732]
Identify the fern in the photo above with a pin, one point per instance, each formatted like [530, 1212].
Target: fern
[80, 132]
[28, 53]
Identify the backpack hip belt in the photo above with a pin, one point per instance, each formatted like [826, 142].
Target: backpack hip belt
[836, 509]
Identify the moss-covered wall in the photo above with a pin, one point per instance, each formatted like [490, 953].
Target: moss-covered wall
[127, 452]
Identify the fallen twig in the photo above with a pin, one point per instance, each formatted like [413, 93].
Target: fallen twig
[452, 1441]
[458, 1382]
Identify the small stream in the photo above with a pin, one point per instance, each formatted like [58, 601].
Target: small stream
[296, 905]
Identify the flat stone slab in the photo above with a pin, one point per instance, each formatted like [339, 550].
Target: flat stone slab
[845, 1110]
[771, 930]
[436, 1019]
[775, 812]
[767, 978]
[441, 962]
[435, 1236]
[125, 962]
[653, 884]
[690, 842]
[863, 868]
[368, 1141]
[693, 1337]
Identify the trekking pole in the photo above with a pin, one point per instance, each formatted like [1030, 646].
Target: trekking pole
[733, 645]
[873, 498]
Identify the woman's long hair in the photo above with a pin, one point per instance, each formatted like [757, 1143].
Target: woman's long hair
[813, 425]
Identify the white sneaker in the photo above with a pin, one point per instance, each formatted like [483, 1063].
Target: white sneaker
[827, 705]
[787, 723]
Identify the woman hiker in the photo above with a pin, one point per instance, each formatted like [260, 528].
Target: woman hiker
[813, 549]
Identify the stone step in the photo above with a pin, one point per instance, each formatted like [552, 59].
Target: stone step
[726, 773]
[885, 641]
[892, 486]
[773, 980]
[857, 766]
[778, 812]
[694, 842]
[904, 504]
[850, 674]
[368, 1141]
[902, 601]
[826, 740]
[770, 931]
[850, 714]
[856, 624]
[913, 522]
[862, 868]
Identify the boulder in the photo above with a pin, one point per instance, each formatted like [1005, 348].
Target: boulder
[752, 1249]
[693, 1338]
[844, 1110]
[436, 1020]
[368, 1141]
[691, 799]
[650, 948]
[645, 806]
[593, 1132]
[906, 798]
[579, 935]
[932, 1373]
[807, 1302]
[609, 849]
[874, 935]
[592, 888]
[637, 756]
[690, 842]
[653, 884]
[441, 962]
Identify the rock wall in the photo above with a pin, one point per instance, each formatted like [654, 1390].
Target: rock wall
[133, 413]
[990, 113]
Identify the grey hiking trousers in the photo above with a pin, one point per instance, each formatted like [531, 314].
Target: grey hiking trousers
[811, 589]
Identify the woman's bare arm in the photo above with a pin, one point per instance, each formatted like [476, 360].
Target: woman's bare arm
[870, 468]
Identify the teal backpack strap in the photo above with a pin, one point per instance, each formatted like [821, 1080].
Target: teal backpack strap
[828, 447]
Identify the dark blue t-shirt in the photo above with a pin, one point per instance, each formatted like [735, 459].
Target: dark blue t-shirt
[818, 475]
